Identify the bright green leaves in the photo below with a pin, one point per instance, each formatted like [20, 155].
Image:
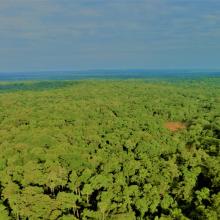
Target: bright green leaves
[188, 184]
[11, 194]
[57, 176]
[67, 201]
[126, 216]
[167, 202]
[105, 204]
[100, 181]
[203, 194]
[4, 214]
[87, 191]
[34, 204]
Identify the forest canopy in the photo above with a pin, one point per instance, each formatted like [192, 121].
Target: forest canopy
[110, 149]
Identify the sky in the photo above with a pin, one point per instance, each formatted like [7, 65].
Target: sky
[37, 35]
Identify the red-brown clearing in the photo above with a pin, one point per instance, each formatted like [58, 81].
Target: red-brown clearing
[175, 126]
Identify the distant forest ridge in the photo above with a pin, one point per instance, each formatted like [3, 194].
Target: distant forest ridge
[109, 74]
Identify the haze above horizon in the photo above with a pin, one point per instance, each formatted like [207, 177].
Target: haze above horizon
[116, 34]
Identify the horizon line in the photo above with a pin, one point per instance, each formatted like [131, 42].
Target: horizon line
[112, 69]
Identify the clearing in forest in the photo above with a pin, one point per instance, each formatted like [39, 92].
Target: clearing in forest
[175, 126]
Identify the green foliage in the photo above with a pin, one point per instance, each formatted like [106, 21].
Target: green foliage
[103, 150]
[4, 212]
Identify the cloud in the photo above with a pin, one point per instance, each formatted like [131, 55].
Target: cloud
[51, 19]
[107, 28]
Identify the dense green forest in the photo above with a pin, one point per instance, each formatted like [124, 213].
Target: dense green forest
[110, 149]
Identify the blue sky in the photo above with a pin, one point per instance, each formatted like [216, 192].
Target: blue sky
[101, 34]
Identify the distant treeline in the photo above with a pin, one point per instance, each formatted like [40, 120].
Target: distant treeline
[165, 74]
